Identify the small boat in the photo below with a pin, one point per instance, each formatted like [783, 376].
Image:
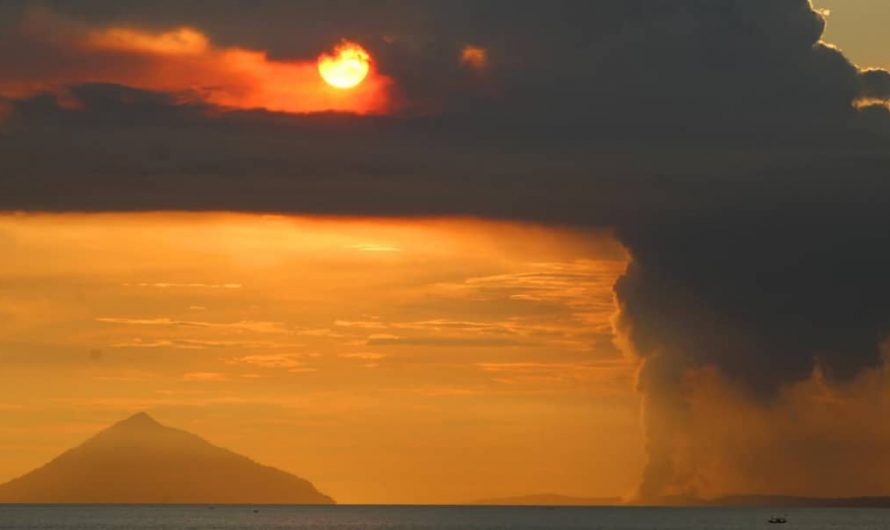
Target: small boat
[777, 520]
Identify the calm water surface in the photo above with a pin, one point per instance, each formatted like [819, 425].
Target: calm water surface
[429, 518]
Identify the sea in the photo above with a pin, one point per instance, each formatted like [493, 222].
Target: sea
[58, 517]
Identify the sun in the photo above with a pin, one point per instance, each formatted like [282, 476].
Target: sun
[346, 67]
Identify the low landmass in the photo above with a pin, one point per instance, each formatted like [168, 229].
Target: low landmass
[779, 501]
[746, 501]
[549, 499]
[140, 461]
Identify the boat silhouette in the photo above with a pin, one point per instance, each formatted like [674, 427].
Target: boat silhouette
[777, 520]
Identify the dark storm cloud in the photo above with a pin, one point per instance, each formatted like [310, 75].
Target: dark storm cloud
[718, 137]
[875, 84]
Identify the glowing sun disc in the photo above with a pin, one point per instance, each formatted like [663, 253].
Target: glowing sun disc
[346, 67]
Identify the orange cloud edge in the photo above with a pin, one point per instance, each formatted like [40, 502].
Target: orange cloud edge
[185, 63]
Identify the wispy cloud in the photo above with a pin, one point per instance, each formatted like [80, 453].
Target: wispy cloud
[276, 360]
[617, 369]
[180, 344]
[318, 332]
[374, 247]
[444, 324]
[205, 377]
[254, 326]
[392, 340]
[439, 391]
[363, 324]
[173, 285]
[364, 356]
[580, 285]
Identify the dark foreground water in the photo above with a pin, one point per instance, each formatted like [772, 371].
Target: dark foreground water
[429, 518]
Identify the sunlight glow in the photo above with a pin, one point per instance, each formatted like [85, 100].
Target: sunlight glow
[346, 67]
[474, 57]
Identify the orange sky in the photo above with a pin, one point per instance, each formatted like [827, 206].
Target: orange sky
[386, 361]
[859, 27]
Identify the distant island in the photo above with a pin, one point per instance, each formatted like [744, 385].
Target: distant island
[140, 461]
[746, 501]
[549, 499]
[783, 501]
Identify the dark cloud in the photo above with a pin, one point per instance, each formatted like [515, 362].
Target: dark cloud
[875, 84]
[719, 138]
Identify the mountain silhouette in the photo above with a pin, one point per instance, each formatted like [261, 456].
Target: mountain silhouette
[140, 461]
